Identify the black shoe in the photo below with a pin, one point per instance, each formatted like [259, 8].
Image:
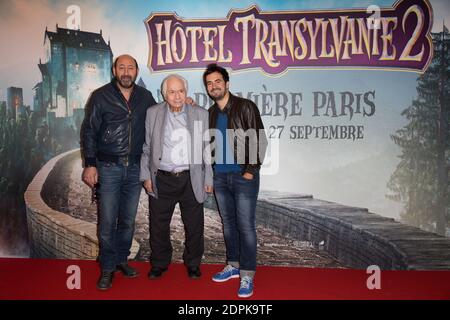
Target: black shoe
[105, 280]
[127, 270]
[194, 272]
[156, 272]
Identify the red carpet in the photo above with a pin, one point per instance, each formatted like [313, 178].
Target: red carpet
[40, 279]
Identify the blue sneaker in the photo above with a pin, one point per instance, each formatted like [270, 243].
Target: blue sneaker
[246, 288]
[226, 274]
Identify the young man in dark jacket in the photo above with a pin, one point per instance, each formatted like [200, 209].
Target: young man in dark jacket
[239, 146]
[112, 138]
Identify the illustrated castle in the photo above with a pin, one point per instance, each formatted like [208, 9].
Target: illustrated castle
[75, 63]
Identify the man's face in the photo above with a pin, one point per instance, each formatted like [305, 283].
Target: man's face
[216, 86]
[175, 93]
[125, 71]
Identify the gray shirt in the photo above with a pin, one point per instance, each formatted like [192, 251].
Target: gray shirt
[175, 156]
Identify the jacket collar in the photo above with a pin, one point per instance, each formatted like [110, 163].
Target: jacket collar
[228, 106]
[116, 87]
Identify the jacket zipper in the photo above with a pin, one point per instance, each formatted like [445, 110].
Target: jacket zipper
[129, 133]
[129, 125]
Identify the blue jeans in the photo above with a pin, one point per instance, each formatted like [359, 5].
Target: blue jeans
[119, 193]
[236, 200]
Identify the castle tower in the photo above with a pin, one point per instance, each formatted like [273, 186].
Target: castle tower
[76, 63]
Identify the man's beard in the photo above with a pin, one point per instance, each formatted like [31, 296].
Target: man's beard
[218, 97]
[126, 81]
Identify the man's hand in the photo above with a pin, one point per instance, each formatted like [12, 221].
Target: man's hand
[248, 176]
[90, 176]
[208, 189]
[190, 101]
[148, 186]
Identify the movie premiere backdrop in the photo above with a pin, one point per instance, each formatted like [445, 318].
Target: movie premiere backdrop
[353, 95]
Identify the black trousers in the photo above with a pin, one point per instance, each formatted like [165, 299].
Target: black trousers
[173, 190]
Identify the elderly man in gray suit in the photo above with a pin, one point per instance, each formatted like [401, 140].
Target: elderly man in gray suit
[176, 168]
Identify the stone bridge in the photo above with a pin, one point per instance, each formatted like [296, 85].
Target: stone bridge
[293, 229]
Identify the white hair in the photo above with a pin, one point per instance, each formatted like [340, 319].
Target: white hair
[170, 76]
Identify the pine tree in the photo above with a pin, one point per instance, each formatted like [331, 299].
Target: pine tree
[421, 179]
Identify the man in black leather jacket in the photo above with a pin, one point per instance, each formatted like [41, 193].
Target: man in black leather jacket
[113, 134]
[239, 144]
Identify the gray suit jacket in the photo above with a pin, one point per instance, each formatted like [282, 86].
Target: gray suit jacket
[199, 150]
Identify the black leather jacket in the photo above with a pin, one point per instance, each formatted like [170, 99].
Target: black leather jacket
[243, 114]
[112, 127]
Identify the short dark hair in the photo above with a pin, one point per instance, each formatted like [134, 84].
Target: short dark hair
[213, 67]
